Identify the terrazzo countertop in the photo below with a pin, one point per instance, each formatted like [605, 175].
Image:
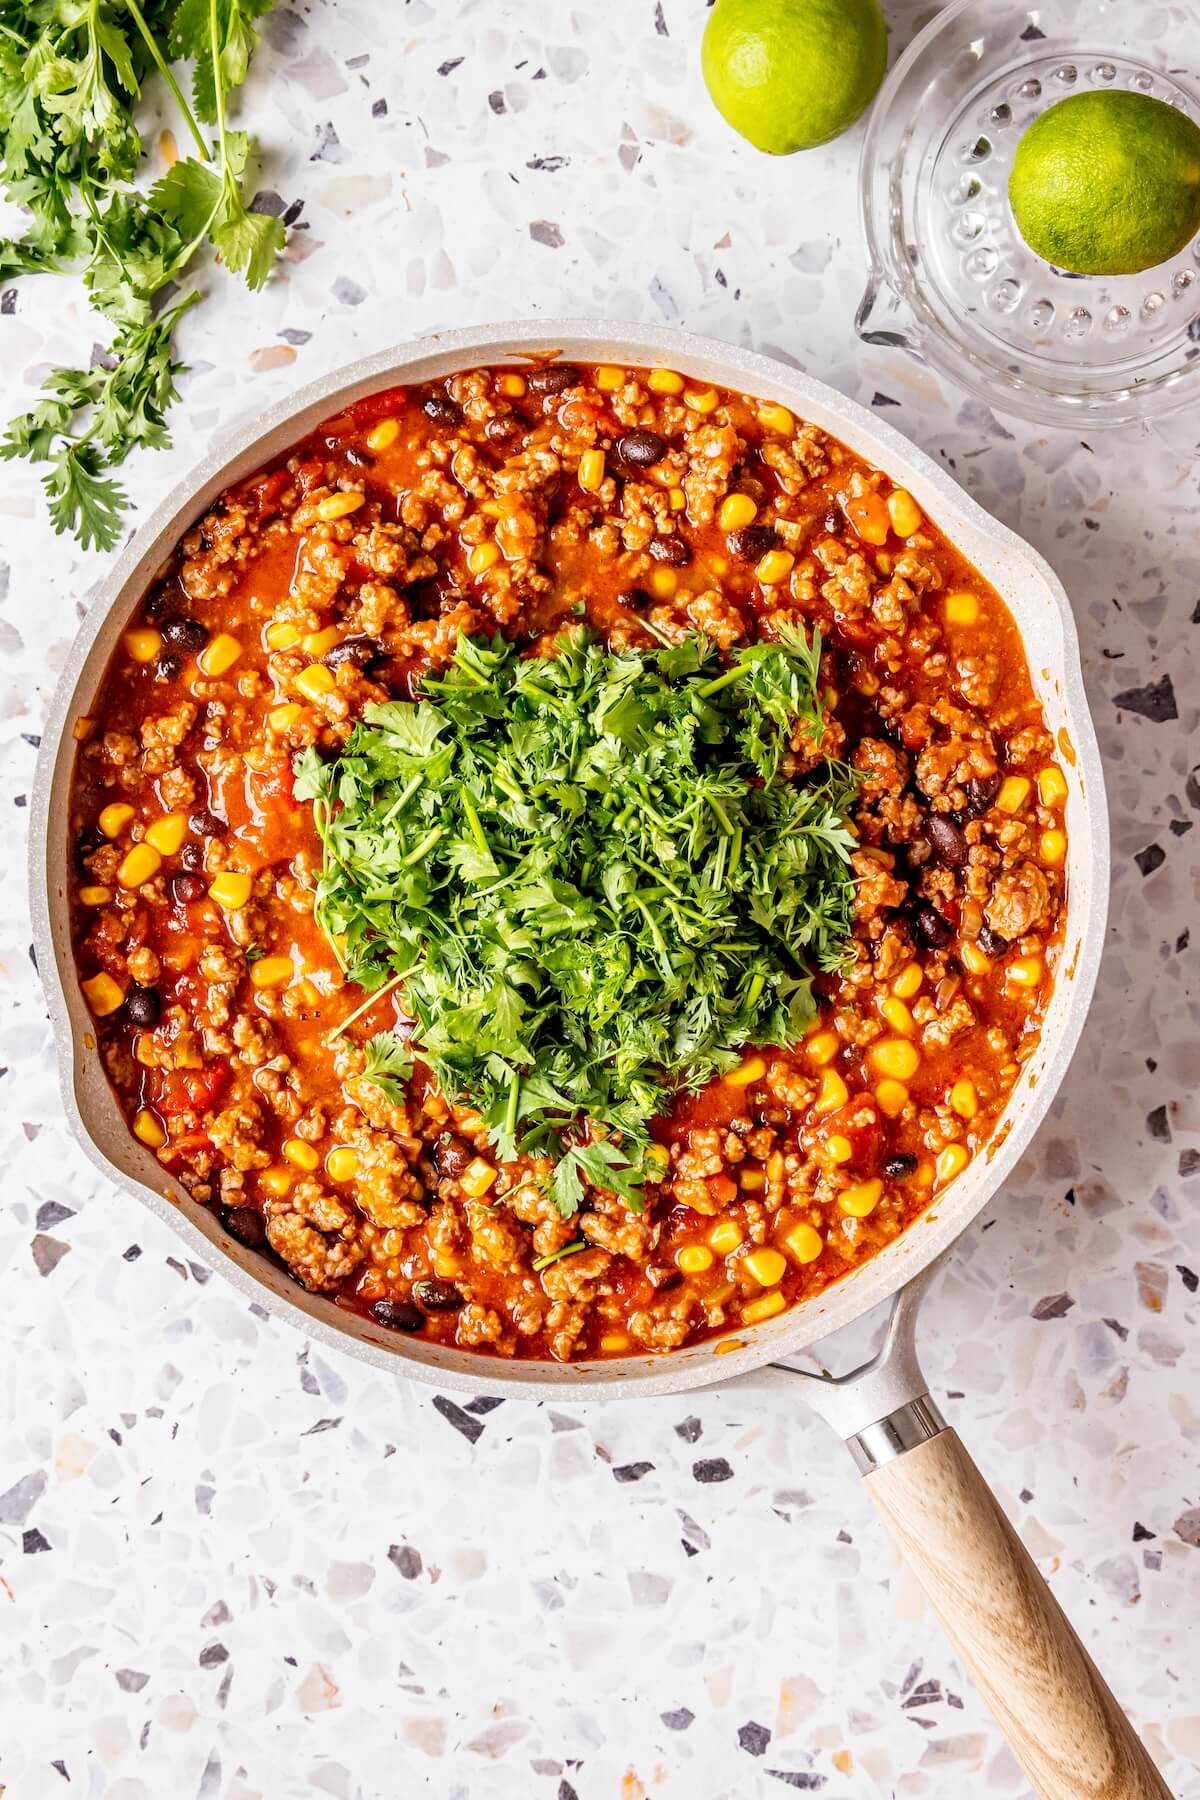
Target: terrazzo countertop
[234, 1566]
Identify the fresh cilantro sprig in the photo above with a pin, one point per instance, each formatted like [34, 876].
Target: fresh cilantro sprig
[598, 876]
[388, 1066]
[71, 76]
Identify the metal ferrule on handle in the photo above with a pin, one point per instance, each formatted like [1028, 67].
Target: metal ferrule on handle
[903, 1429]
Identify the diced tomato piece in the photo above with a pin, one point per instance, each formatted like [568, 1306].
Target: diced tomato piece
[265, 495]
[190, 1090]
[374, 407]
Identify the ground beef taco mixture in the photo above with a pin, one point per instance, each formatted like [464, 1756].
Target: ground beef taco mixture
[571, 512]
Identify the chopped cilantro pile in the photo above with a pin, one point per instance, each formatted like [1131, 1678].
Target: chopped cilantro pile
[594, 877]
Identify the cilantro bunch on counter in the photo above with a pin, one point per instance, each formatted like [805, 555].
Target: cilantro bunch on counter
[593, 878]
[72, 73]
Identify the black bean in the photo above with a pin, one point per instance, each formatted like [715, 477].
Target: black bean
[932, 928]
[168, 668]
[661, 1277]
[641, 449]
[503, 429]
[206, 824]
[992, 943]
[143, 1006]
[438, 1296]
[981, 791]
[899, 1168]
[192, 857]
[949, 844]
[452, 1154]
[357, 459]
[554, 378]
[185, 888]
[398, 1315]
[442, 409]
[671, 550]
[245, 1223]
[361, 651]
[185, 634]
[751, 542]
[636, 599]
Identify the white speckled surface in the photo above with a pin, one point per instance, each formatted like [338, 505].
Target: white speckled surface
[232, 1566]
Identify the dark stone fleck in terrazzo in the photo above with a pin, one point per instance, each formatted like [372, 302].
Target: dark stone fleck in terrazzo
[20, 800]
[484, 1403]
[379, 109]
[53, 1212]
[291, 335]
[679, 1720]
[632, 1471]
[472, 1429]
[689, 1549]
[929, 1693]
[289, 218]
[548, 165]
[878, 399]
[8, 303]
[321, 1425]
[497, 101]
[61, 1767]
[269, 202]
[131, 1681]
[1189, 1162]
[406, 1560]
[803, 1779]
[48, 1252]
[712, 1468]
[1151, 858]
[1180, 827]
[545, 231]
[660, 23]
[1053, 1306]
[753, 1737]
[695, 1532]
[448, 68]
[1158, 1125]
[1025, 1496]
[1187, 1526]
[689, 1429]
[1032, 34]
[32, 738]
[132, 1254]
[347, 292]
[1191, 1280]
[1155, 701]
[32, 1542]
[1140, 1533]
[329, 145]
[566, 1791]
[1122, 1331]
[18, 1501]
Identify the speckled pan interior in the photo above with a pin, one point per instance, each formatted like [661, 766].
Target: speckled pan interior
[1026, 583]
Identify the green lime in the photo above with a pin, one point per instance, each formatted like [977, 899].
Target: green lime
[1107, 183]
[789, 74]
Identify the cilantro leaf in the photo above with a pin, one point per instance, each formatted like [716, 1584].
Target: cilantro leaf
[388, 1066]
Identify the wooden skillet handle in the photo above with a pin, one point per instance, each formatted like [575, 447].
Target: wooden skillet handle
[1064, 1726]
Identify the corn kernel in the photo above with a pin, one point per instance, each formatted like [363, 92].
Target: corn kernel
[143, 646]
[1052, 786]
[609, 378]
[301, 1155]
[147, 1128]
[319, 643]
[95, 896]
[1026, 971]
[613, 1342]
[805, 1243]
[972, 958]
[477, 1178]
[103, 994]
[963, 1099]
[482, 558]
[776, 418]
[725, 1236]
[113, 819]
[752, 1070]
[677, 499]
[664, 381]
[774, 567]
[892, 1097]
[833, 1093]
[342, 1163]
[822, 1048]
[736, 510]
[765, 1307]
[904, 512]
[276, 1181]
[768, 1267]
[701, 400]
[306, 994]
[590, 473]
[952, 1161]
[663, 583]
[897, 1015]
[895, 1057]
[908, 981]
[861, 1199]
[512, 385]
[141, 864]
[339, 506]
[383, 435]
[231, 889]
[659, 1159]
[315, 682]
[282, 635]
[1014, 792]
[693, 1259]
[751, 1180]
[271, 971]
[961, 609]
[82, 729]
[167, 834]
[219, 654]
[1053, 847]
[282, 718]
[839, 1148]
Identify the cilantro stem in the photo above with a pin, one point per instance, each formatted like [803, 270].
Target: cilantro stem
[367, 1004]
[708, 688]
[424, 847]
[164, 70]
[543, 1262]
